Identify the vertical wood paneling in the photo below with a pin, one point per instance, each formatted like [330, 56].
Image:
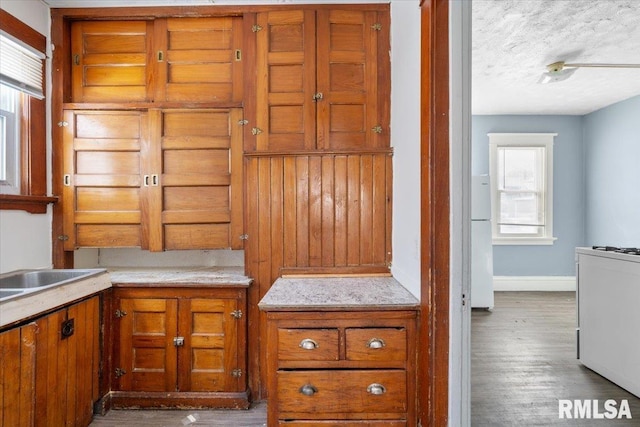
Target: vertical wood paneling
[327, 206]
[366, 210]
[353, 210]
[341, 204]
[315, 212]
[289, 212]
[301, 185]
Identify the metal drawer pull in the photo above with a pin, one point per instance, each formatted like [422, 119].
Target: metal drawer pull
[375, 343]
[308, 344]
[309, 390]
[376, 389]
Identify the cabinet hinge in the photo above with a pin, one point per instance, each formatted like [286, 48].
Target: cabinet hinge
[236, 313]
[63, 237]
[244, 237]
[464, 300]
[243, 122]
[256, 28]
[76, 59]
[119, 372]
[120, 313]
[256, 131]
[236, 373]
[377, 26]
[63, 124]
[377, 129]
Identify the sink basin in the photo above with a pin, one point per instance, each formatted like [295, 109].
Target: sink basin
[36, 279]
[4, 293]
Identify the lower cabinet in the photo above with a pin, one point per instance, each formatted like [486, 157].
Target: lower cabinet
[49, 368]
[343, 368]
[179, 347]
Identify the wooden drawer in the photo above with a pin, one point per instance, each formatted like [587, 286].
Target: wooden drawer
[334, 423]
[379, 344]
[308, 344]
[323, 394]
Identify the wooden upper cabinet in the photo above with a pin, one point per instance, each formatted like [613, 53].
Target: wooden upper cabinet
[158, 179]
[163, 60]
[197, 203]
[322, 80]
[103, 186]
[111, 61]
[199, 59]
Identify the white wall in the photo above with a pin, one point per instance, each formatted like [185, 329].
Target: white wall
[405, 138]
[25, 239]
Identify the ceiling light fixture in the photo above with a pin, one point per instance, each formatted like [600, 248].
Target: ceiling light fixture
[559, 71]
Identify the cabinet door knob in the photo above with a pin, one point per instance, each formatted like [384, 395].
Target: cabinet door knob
[308, 344]
[375, 343]
[309, 390]
[376, 389]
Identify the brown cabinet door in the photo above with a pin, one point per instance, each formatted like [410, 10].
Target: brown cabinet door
[197, 203]
[103, 181]
[322, 80]
[199, 59]
[347, 76]
[17, 372]
[210, 355]
[145, 352]
[286, 81]
[110, 61]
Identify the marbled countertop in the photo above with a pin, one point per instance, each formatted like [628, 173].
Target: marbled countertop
[337, 293]
[197, 276]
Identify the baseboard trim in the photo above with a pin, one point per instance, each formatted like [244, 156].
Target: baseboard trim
[534, 283]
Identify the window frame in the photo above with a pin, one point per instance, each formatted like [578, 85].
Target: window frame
[522, 140]
[32, 151]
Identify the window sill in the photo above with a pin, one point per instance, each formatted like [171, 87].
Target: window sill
[524, 241]
[31, 204]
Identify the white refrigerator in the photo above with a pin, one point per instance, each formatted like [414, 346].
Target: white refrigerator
[481, 246]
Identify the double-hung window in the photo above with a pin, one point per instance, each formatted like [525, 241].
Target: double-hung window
[521, 170]
[22, 117]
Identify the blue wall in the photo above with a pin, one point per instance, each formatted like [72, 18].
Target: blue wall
[568, 217]
[612, 175]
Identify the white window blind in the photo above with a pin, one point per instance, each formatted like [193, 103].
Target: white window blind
[21, 68]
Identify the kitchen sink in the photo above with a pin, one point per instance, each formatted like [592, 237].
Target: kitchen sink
[4, 293]
[37, 279]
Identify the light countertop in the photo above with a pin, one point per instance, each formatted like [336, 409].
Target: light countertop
[164, 277]
[337, 293]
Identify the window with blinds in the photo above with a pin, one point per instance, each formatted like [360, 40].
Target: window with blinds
[21, 77]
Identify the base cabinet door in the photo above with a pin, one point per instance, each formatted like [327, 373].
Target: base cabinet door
[178, 347]
[49, 368]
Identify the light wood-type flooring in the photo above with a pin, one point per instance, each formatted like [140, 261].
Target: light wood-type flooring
[523, 359]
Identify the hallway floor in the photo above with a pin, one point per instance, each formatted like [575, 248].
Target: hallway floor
[523, 360]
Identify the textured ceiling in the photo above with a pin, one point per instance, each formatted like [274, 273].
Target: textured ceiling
[514, 40]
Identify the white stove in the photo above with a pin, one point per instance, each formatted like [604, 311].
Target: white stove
[608, 283]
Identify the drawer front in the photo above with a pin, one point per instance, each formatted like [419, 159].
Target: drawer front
[325, 393]
[308, 344]
[335, 423]
[379, 344]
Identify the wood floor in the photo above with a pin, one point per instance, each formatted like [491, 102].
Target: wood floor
[523, 360]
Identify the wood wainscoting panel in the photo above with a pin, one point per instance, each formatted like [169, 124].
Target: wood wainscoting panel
[326, 213]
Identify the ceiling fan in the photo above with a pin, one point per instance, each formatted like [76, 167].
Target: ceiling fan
[559, 71]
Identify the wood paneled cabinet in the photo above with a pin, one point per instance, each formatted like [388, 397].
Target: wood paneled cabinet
[343, 368]
[156, 179]
[323, 80]
[179, 347]
[49, 368]
[168, 59]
